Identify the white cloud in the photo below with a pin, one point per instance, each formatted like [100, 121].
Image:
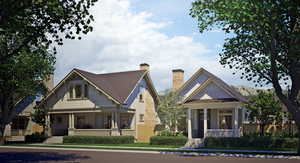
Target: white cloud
[122, 39]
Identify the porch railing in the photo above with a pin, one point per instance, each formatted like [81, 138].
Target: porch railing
[222, 133]
[92, 132]
[127, 132]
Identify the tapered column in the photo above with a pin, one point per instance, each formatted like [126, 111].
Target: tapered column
[205, 122]
[189, 118]
[48, 125]
[236, 115]
[71, 124]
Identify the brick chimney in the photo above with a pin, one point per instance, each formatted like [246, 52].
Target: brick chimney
[178, 79]
[144, 66]
[49, 82]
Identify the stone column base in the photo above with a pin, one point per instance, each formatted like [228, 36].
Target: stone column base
[70, 131]
[115, 132]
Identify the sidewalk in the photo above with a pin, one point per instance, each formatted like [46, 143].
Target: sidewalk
[171, 149]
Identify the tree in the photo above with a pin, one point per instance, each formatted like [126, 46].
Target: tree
[39, 117]
[265, 109]
[170, 111]
[263, 45]
[29, 32]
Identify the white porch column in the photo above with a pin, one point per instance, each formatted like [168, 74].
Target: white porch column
[189, 116]
[205, 122]
[71, 120]
[48, 125]
[71, 124]
[236, 116]
[113, 120]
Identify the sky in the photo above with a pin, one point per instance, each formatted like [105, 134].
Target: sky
[158, 32]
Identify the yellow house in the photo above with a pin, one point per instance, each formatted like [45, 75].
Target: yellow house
[112, 104]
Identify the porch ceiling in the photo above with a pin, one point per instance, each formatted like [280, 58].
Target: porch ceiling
[213, 104]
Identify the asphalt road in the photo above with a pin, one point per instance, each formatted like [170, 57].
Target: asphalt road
[13, 155]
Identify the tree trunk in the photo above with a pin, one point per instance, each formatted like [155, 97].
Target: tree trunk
[262, 130]
[2, 130]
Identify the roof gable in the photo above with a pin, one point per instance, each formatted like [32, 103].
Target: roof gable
[219, 86]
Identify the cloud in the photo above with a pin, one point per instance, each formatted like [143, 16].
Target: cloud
[122, 39]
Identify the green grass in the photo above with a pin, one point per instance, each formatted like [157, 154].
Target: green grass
[127, 145]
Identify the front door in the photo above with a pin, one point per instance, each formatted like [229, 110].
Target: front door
[201, 123]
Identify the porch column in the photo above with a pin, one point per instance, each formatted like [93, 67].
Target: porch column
[205, 122]
[115, 126]
[112, 120]
[48, 125]
[236, 116]
[189, 115]
[71, 124]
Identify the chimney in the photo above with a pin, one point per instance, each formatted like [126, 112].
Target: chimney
[177, 79]
[49, 82]
[144, 66]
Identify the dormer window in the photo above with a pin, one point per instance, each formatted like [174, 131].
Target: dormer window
[78, 91]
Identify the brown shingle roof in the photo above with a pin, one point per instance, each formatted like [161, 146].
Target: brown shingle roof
[118, 85]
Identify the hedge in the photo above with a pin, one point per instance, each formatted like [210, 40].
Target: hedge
[99, 139]
[168, 140]
[256, 142]
[35, 138]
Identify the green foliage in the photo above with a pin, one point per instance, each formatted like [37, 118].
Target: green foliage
[35, 138]
[169, 133]
[99, 139]
[170, 111]
[29, 32]
[255, 142]
[263, 45]
[39, 116]
[168, 140]
[265, 109]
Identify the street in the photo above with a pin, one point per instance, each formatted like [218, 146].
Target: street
[15, 155]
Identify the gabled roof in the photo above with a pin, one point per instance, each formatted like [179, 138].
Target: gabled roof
[215, 79]
[117, 86]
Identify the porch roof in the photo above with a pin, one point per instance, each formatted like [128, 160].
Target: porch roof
[211, 100]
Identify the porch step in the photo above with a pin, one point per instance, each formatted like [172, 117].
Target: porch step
[53, 140]
[194, 143]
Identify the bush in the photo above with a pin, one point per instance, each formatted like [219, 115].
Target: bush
[99, 139]
[168, 140]
[35, 138]
[256, 142]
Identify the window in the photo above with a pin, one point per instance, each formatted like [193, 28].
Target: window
[71, 91]
[141, 98]
[78, 91]
[141, 117]
[125, 120]
[86, 90]
[225, 119]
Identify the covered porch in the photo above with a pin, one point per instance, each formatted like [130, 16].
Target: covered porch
[214, 120]
[91, 123]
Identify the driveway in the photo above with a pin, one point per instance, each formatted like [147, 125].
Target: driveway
[15, 155]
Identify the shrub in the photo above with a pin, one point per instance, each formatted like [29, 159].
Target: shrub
[99, 139]
[35, 138]
[256, 142]
[168, 140]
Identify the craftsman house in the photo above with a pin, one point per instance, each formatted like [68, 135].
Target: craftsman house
[112, 104]
[214, 109]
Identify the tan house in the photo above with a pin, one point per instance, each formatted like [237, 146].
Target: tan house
[214, 108]
[112, 104]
